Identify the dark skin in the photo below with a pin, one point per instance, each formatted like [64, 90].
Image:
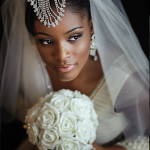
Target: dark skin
[68, 48]
[69, 43]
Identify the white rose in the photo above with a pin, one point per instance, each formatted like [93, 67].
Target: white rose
[78, 94]
[81, 108]
[85, 97]
[67, 124]
[32, 113]
[87, 147]
[67, 93]
[69, 144]
[47, 98]
[33, 132]
[86, 132]
[48, 116]
[61, 102]
[94, 118]
[48, 139]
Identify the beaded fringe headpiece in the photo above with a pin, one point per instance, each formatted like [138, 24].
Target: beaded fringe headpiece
[45, 13]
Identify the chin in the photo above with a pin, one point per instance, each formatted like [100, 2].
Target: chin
[66, 77]
[66, 80]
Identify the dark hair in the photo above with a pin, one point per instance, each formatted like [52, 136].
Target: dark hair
[80, 7]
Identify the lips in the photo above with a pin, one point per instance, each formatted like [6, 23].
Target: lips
[65, 68]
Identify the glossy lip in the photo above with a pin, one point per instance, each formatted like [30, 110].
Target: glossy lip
[65, 68]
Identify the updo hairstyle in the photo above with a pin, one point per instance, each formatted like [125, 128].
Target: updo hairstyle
[79, 7]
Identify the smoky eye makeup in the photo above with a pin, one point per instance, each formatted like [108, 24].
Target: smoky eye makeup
[75, 37]
[45, 41]
[71, 38]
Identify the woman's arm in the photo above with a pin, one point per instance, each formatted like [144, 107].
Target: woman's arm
[109, 148]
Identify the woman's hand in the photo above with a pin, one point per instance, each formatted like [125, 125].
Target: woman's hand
[109, 148]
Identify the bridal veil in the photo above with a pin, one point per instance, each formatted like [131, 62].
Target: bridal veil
[24, 75]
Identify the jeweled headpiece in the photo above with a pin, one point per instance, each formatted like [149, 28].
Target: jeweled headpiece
[45, 13]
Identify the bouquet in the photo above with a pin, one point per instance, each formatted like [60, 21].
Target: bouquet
[63, 120]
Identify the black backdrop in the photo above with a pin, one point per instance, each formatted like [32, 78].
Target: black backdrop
[138, 12]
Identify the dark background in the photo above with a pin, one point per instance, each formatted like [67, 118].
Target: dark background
[138, 12]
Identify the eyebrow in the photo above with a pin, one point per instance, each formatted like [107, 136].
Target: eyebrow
[64, 33]
[72, 30]
[43, 34]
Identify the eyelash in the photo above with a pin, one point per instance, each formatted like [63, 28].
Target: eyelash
[48, 42]
[41, 41]
[76, 36]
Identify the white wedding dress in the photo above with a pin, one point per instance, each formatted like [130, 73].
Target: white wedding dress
[111, 124]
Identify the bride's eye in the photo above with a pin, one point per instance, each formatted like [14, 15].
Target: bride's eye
[74, 38]
[45, 42]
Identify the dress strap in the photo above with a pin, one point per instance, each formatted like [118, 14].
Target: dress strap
[97, 87]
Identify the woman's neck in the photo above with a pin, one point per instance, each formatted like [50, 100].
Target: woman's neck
[84, 82]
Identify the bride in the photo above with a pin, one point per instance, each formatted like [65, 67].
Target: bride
[93, 50]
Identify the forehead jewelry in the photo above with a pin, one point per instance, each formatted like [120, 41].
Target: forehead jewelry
[45, 13]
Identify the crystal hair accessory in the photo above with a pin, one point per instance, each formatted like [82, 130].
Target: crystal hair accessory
[46, 14]
[93, 48]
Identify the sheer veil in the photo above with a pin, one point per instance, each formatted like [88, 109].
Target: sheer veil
[24, 75]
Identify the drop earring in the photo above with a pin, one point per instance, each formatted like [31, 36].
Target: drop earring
[93, 48]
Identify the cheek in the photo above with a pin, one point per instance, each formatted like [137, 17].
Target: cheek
[81, 50]
[44, 52]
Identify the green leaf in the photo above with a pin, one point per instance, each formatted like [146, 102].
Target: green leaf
[52, 149]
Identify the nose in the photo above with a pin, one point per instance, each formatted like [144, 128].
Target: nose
[62, 52]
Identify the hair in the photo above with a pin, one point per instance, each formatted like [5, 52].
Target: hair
[79, 7]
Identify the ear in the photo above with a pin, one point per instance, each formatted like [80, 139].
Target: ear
[91, 27]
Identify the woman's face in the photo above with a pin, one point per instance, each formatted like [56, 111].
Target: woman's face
[65, 48]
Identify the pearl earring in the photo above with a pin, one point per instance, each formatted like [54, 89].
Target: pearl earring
[93, 48]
